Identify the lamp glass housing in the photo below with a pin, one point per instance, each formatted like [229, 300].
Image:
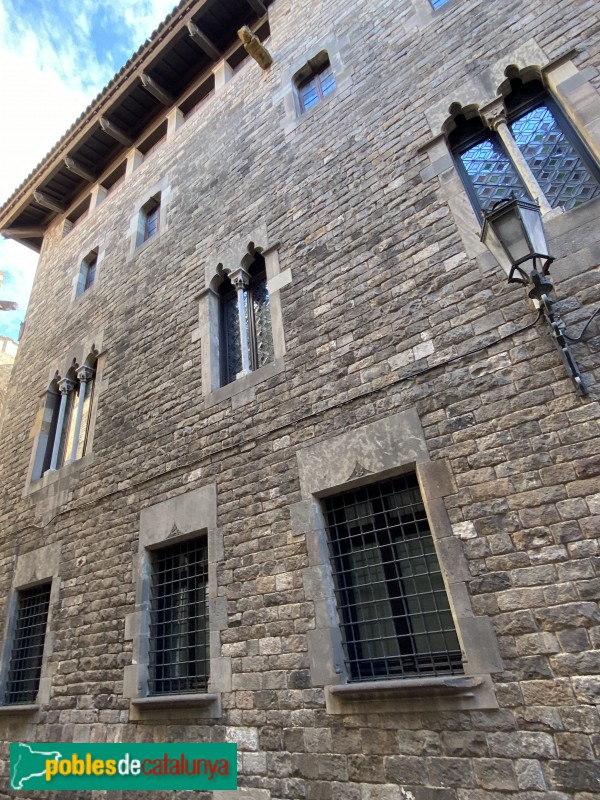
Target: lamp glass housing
[513, 231]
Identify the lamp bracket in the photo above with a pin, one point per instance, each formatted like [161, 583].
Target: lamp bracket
[557, 330]
[545, 262]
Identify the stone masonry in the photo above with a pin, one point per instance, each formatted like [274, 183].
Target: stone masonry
[380, 276]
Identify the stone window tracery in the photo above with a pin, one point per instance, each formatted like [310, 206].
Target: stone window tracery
[528, 150]
[246, 336]
[67, 411]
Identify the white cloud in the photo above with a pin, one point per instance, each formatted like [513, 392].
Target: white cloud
[48, 75]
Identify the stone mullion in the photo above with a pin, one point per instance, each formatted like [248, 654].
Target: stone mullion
[500, 125]
[65, 386]
[84, 375]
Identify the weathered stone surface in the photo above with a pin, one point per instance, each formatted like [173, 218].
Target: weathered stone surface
[380, 266]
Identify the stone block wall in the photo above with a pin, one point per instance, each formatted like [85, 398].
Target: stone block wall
[386, 282]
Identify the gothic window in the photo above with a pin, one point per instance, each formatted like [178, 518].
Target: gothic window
[67, 417]
[535, 128]
[394, 612]
[246, 337]
[179, 639]
[486, 170]
[559, 161]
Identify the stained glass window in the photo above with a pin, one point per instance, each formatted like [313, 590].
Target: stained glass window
[492, 174]
[559, 169]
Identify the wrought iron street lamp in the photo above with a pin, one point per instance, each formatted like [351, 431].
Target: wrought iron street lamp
[514, 233]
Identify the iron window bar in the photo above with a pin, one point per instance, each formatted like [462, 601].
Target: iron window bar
[28, 645]
[394, 612]
[179, 660]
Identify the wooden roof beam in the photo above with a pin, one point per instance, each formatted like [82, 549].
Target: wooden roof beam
[22, 233]
[156, 90]
[43, 199]
[258, 7]
[78, 169]
[203, 42]
[115, 132]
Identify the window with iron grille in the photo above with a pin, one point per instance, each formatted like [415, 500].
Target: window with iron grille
[559, 161]
[313, 88]
[179, 658]
[394, 613]
[256, 318]
[25, 665]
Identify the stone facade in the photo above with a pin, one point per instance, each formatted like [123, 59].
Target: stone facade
[378, 277]
[8, 350]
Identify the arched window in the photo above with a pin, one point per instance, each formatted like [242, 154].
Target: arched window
[555, 154]
[532, 149]
[486, 170]
[66, 421]
[246, 337]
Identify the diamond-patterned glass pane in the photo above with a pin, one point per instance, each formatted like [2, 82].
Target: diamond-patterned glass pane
[262, 323]
[558, 168]
[233, 354]
[492, 174]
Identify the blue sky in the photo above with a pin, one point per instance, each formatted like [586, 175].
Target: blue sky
[55, 56]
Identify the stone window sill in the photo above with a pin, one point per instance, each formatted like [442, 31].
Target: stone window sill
[409, 687]
[17, 710]
[246, 382]
[175, 701]
[449, 693]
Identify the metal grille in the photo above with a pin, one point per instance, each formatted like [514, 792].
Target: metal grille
[563, 176]
[395, 616]
[261, 324]
[492, 174]
[179, 637]
[28, 645]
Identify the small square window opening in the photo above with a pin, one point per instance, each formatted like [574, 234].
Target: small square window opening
[316, 86]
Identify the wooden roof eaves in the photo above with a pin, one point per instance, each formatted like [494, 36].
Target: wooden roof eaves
[128, 75]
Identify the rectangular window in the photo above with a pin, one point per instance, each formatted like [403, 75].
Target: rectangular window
[28, 645]
[316, 86]
[179, 637]
[394, 612]
[151, 223]
[90, 272]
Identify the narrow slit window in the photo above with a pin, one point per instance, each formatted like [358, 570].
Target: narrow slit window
[28, 645]
[394, 612]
